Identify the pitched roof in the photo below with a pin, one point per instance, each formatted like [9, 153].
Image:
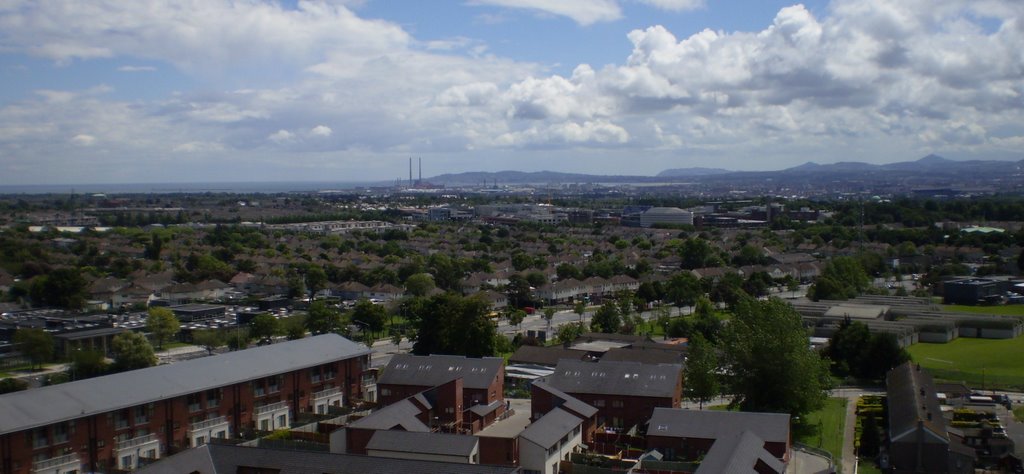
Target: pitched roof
[397, 415]
[738, 453]
[568, 402]
[550, 428]
[912, 399]
[434, 370]
[616, 378]
[713, 424]
[55, 403]
[443, 444]
[644, 356]
[227, 459]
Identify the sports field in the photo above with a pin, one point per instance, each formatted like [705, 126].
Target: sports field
[1007, 310]
[981, 363]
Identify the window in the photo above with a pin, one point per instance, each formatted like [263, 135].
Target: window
[151, 454]
[121, 419]
[60, 433]
[599, 403]
[39, 438]
[194, 402]
[126, 462]
[265, 425]
[314, 375]
[221, 434]
[282, 421]
[616, 403]
[200, 440]
[141, 415]
[384, 392]
[213, 398]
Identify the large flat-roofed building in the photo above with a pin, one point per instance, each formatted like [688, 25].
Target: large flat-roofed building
[112, 422]
[665, 216]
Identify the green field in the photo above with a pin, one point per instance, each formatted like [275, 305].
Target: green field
[1006, 310]
[824, 428]
[980, 363]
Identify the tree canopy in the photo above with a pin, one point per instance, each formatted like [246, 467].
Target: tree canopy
[452, 324]
[131, 351]
[162, 325]
[35, 344]
[701, 371]
[322, 319]
[771, 365]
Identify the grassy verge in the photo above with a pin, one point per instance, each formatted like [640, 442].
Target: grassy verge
[981, 363]
[824, 428]
[1018, 413]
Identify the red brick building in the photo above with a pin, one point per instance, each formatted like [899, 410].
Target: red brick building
[482, 399]
[624, 393]
[686, 435]
[112, 422]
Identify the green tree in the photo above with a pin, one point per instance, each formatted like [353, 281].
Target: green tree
[9, 385]
[154, 248]
[549, 314]
[87, 364]
[419, 284]
[516, 317]
[518, 291]
[683, 289]
[238, 339]
[161, 325]
[315, 279]
[295, 327]
[62, 288]
[131, 351]
[701, 371]
[846, 347]
[569, 332]
[263, 327]
[322, 319]
[772, 367]
[698, 253]
[606, 319]
[452, 324]
[35, 344]
[209, 339]
[372, 315]
[580, 308]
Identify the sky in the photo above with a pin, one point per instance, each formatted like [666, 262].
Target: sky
[113, 91]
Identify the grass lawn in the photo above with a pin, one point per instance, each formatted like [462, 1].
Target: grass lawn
[1007, 310]
[824, 428]
[1018, 413]
[172, 345]
[867, 466]
[981, 363]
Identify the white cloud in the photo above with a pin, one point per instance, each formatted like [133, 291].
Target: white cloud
[281, 136]
[584, 12]
[675, 5]
[136, 69]
[83, 139]
[320, 131]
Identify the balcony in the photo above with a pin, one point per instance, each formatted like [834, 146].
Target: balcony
[331, 392]
[209, 424]
[67, 462]
[271, 408]
[138, 442]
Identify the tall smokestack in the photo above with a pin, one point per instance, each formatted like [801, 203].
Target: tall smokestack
[410, 171]
[421, 171]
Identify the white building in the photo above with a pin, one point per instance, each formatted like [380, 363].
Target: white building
[665, 216]
[549, 440]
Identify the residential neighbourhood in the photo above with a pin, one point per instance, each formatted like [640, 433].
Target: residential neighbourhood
[497, 341]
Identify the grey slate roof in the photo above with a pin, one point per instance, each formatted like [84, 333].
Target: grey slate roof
[712, 424]
[423, 443]
[56, 403]
[738, 454]
[569, 402]
[616, 378]
[226, 459]
[911, 393]
[550, 428]
[644, 356]
[397, 415]
[434, 370]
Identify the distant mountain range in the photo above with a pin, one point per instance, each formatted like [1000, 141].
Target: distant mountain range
[931, 166]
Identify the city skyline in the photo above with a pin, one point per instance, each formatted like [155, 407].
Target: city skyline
[226, 91]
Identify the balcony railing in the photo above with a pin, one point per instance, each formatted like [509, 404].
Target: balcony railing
[326, 393]
[67, 459]
[272, 408]
[205, 424]
[136, 442]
